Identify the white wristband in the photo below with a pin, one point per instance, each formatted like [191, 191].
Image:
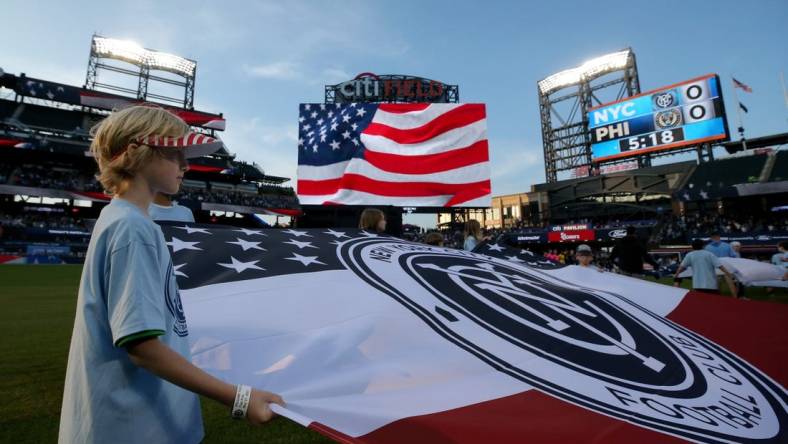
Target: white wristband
[242, 395]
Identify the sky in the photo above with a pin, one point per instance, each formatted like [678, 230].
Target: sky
[257, 60]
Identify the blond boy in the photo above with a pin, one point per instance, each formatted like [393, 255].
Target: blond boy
[129, 376]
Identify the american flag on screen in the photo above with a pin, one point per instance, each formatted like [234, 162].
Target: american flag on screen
[399, 154]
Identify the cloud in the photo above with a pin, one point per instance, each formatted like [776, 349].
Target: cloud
[276, 70]
[516, 169]
[334, 75]
[272, 146]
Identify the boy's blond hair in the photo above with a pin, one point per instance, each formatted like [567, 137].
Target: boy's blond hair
[114, 145]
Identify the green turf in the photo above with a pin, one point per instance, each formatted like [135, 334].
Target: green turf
[37, 306]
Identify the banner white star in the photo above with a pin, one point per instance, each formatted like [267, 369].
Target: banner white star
[306, 260]
[191, 230]
[299, 244]
[178, 245]
[297, 233]
[249, 232]
[239, 266]
[246, 245]
[179, 273]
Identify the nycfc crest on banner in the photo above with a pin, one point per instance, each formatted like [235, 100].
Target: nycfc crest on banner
[593, 348]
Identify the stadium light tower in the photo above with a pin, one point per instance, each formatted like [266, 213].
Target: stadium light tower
[567, 144]
[103, 49]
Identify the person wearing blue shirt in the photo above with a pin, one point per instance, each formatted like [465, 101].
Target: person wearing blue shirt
[719, 248]
[165, 209]
[129, 377]
[704, 266]
[781, 257]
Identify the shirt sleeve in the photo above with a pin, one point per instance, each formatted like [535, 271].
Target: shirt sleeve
[716, 261]
[135, 292]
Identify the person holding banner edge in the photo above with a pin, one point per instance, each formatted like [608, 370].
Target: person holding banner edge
[129, 377]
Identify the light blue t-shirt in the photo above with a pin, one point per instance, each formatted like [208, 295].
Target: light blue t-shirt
[777, 259]
[470, 243]
[127, 288]
[721, 249]
[704, 268]
[177, 213]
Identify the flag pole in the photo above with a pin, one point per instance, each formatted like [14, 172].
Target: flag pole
[738, 111]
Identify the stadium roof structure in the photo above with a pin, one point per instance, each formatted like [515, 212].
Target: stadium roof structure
[771, 140]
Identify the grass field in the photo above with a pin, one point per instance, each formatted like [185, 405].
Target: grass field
[37, 305]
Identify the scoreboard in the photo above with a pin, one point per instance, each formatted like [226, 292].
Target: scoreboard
[679, 115]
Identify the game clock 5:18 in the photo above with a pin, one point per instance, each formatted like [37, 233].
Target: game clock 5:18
[652, 139]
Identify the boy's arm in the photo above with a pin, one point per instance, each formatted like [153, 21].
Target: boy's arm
[159, 359]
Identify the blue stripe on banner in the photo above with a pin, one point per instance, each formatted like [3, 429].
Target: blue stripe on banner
[706, 128]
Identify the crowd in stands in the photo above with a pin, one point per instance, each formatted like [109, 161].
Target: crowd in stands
[681, 229]
[38, 176]
[44, 222]
[237, 198]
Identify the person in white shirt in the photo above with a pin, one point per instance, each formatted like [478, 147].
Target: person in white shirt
[165, 209]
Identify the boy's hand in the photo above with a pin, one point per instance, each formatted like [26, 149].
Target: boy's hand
[259, 410]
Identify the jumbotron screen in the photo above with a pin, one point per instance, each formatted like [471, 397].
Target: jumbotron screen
[686, 113]
[399, 154]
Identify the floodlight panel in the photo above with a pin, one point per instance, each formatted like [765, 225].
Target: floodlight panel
[171, 62]
[588, 70]
[132, 52]
[120, 49]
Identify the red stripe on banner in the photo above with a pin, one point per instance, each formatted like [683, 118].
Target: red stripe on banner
[458, 117]
[529, 417]
[429, 163]
[8, 258]
[10, 142]
[753, 330]
[402, 108]
[382, 188]
[285, 211]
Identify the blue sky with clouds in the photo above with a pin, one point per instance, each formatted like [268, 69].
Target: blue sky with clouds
[258, 60]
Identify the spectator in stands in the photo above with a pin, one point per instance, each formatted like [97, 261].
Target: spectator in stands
[704, 265]
[164, 208]
[736, 247]
[585, 256]
[473, 235]
[718, 247]
[434, 238]
[629, 254]
[373, 220]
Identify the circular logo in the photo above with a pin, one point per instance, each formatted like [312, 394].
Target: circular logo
[586, 346]
[665, 100]
[668, 119]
